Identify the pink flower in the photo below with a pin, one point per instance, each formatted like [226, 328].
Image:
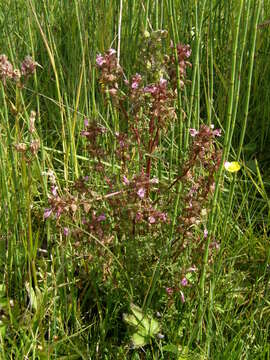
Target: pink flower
[125, 180]
[112, 91]
[184, 281]
[152, 89]
[193, 132]
[163, 217]
[54, 190]
[47, 213]
[100, 60]
[134, 85]
[184, 51]
[217, 132]
[169, 291]
[205, 233]
[141, 192]
[111, 52]
[66, 231]
[151, 219]
[136, 79]
[86, 122]
[28, 66]
[101, 217]
[139, 216]
[58, 212]
[163, 82]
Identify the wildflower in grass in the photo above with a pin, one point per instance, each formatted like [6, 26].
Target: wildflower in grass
[163, 82]
[163, 217]
[21, 147]
[34, 146]
[54, 190]
[217, 132]
[154, 181]
[152, 89]
[111, 52]
[66, 231]
[6, 69]
[139, 216]
[151, 219]
[28, 66]
[51, 175]
[232, 167]
[110, 72]
[135, 82]
[113, 91]
[183, 54]
[101, 217]
[125, 180]
[100, 60]
[141, 193]
[16, 76]
[205, 233]
[86, 122]
[183, 51]
[193, 132]
[47, 213]
[184, 281]
[169, 291]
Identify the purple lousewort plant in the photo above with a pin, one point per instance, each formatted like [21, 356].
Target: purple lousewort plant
[131, 202]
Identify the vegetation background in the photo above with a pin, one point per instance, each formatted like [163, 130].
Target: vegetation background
[63, 300]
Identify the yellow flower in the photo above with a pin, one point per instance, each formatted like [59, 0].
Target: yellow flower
[232, 167]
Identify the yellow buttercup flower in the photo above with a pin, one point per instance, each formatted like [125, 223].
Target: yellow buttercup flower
[232, 167]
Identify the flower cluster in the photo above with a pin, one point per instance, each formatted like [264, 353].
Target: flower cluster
[183, 54]
[60, 204]
[110, 72]
[7, 71]
[131, 207]
[199, 178]
[28, 66]
[92, 131]
[126, 200]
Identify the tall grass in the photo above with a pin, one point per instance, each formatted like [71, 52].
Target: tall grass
[62, 297]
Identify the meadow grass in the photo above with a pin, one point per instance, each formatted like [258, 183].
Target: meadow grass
[100, 256]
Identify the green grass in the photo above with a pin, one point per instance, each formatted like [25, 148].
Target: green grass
[64, 297]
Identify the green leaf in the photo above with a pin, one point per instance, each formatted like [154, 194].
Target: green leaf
[3, 328]
[32, 296]
[171, 348]
[181, 352]
[3, 303]
[138, 340]
[145, 326]
[2, 290]
[150, 326]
